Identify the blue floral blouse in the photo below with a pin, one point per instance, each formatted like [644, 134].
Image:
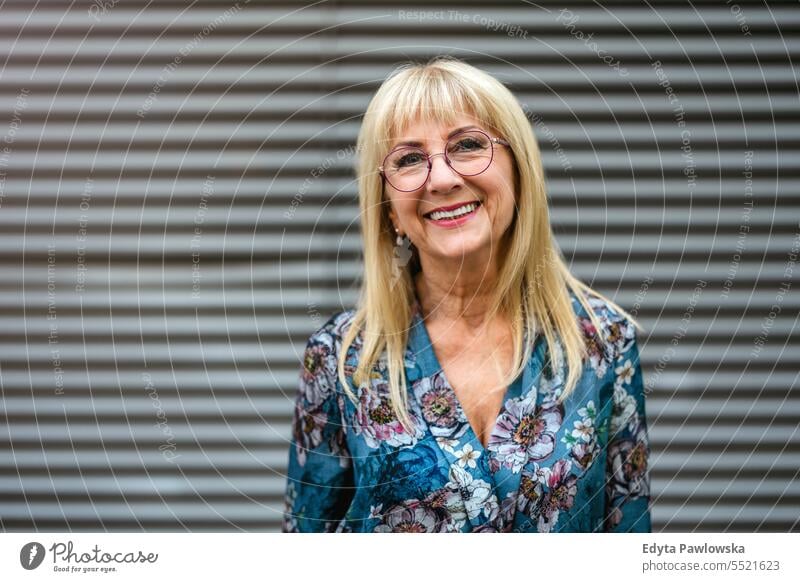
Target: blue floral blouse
[577, 466]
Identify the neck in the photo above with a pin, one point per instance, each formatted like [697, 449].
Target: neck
[459, 294]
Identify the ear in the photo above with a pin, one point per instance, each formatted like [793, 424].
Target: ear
[393, 218]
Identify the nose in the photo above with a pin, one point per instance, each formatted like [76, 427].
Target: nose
[442, 178]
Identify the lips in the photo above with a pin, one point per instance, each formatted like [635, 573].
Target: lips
[451, 207]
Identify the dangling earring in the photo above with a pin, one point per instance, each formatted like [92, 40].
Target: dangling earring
[401, 242]
[402, 254]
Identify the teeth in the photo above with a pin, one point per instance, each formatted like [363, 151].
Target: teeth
[460, 211]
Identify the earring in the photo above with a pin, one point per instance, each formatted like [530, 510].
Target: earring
[402, 250]
[402, 240]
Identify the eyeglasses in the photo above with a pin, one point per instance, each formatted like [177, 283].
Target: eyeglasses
[468, 153]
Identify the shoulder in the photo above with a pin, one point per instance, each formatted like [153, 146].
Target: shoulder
[610, 335]
[610, 317]
[334, 329]
[318, 378]
[606, 311]
[323, 345]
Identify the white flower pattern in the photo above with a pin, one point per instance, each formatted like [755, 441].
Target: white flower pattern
[582, 441]
[524, 433]
[476, 493]
[467, 456]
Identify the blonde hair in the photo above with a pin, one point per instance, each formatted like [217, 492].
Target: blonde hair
[533, 279]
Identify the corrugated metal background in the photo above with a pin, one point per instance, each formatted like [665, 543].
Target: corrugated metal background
[178, 214]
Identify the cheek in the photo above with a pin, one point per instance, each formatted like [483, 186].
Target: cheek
[409, 208]
[407, 211]
[500, 196]
[501, 210]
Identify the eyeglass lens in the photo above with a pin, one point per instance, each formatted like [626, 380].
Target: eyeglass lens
[469, 153]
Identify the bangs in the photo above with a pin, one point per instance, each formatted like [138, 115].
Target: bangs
[432, 95]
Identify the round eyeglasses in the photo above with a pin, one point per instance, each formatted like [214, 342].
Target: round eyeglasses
[468, 153]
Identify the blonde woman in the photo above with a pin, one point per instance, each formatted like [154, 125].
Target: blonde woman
[478, 386]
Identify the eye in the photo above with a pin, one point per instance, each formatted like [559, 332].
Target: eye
[468, 144]
[408, 160]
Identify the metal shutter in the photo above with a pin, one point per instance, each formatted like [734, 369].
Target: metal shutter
[178, 215]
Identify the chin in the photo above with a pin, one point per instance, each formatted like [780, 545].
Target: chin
[456, 249]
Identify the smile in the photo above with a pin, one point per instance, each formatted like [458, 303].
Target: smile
[454, 215]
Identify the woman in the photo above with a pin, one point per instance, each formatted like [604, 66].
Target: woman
[478, 386]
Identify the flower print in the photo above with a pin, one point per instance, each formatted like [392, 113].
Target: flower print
[615, 337]
[620, 337]
[582, 440]
[341, 323]
[584, 429]
[307, 428]
[627, 462]
[557, 476]
[409, 517]
[614, 517]
[447, 444]
[404, 472]
[508, 507]
[448, 503]
[350, 366]
[491, 507]
[289, 517]
[589, 411]
[376, 511]
[409, 358]
[550, 389]
[439, 406]
[467, 456]
[594, 346]
[376, 421]
[521, 433]
[477, 494]
[585, 453]
[338, 446]
[560, 495]
[318, 374]
[625, 413]
[531, 490]
[625, 373]
[441, 498]
[441, 511]
[389, 486]
[615, 332]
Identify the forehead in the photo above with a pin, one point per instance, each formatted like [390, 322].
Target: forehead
[421, 131]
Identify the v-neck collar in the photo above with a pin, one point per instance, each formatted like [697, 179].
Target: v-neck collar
[432, 368]
[445, 419]
[420, 343]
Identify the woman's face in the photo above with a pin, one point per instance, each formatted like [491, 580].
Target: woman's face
[478, 234]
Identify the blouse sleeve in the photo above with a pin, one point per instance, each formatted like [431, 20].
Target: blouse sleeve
[627, 472]
[319, 483]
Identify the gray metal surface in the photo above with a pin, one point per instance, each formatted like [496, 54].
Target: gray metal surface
[178, 214]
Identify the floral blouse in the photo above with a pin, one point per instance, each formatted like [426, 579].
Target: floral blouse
[575, 466]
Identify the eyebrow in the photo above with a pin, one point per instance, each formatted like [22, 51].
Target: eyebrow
[417, 144]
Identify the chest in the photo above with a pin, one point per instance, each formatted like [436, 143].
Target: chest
[474, 369]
